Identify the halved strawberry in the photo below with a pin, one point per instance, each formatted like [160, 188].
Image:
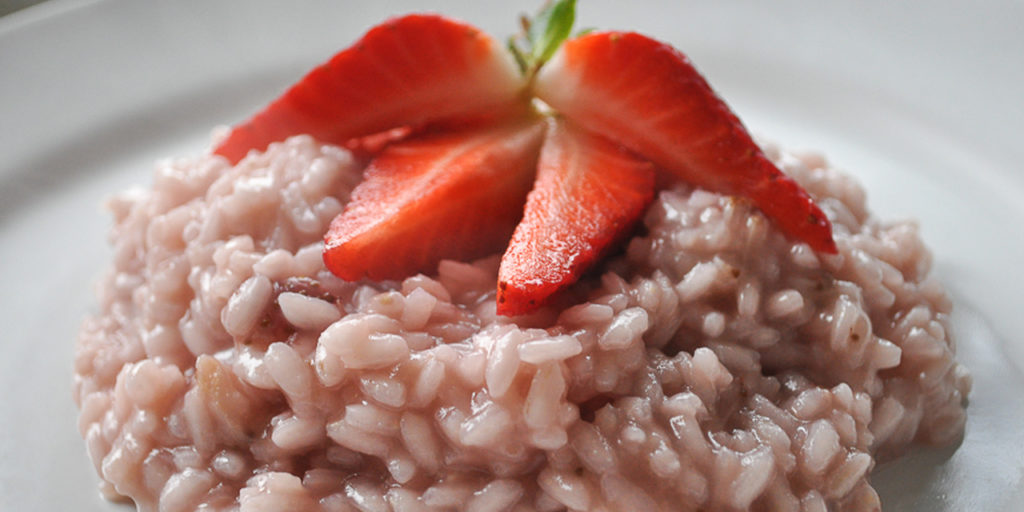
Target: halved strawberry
[589, 192]
[451, 120]
[647, 96]
[453, 194]
[405, 72]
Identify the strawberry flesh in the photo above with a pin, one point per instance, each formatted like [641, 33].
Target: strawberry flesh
[438, 195]
[588, 194]
[646, 95]
[409, 71]
[445, 117]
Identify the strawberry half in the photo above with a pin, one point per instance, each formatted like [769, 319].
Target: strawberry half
[455, 194]
[647, 96]
[405, 72]
[457, 139]
[588, 194]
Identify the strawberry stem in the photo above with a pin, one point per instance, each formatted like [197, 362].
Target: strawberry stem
[543, 35]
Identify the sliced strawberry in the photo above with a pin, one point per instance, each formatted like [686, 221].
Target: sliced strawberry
[456, 194]
[647, 96]
[408, 71]
[589, 192]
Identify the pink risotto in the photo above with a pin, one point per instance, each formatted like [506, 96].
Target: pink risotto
[711, 364]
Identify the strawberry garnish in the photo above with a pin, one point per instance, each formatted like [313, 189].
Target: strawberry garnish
[457, 141]
[408, 71]
[455, 194]
[588, 194]
[647, 96]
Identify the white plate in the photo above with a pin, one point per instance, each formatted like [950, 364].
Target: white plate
[920, 101]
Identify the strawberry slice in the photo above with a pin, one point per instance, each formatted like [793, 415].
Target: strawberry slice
[589, 192]
[405, 72]
[453, 194]
[647, 96]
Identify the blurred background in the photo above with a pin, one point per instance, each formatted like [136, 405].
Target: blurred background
[9, 6]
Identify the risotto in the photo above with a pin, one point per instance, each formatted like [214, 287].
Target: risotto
[712, 364]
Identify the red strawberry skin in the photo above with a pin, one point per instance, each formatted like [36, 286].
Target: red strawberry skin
[454, 194]
[588, 194]
[407, 71]
[647, 96]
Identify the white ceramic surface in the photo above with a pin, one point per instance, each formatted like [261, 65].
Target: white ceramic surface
[919, 99]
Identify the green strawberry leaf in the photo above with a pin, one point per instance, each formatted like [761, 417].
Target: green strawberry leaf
[583, 31]
[517, 53]
[549, 30]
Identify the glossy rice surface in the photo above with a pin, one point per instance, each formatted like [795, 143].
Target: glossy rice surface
[710, 365]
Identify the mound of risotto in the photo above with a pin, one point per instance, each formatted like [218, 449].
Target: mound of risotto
[712, 364]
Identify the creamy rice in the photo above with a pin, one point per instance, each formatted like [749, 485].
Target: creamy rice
[713, 365]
